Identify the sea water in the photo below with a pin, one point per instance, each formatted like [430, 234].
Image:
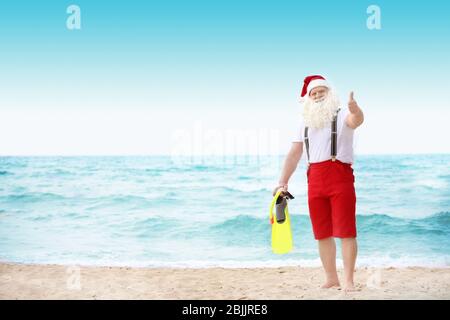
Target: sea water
[164, 211]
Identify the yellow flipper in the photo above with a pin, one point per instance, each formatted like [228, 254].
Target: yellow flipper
[281, 232]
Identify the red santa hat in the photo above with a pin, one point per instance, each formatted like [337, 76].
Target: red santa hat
[312, 82]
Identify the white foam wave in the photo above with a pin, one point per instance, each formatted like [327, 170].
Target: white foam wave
[370, 262]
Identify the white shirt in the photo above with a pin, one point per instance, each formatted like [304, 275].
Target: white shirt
[320, 140]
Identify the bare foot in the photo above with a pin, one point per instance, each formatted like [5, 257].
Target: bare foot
[350, 287]
[331, 284]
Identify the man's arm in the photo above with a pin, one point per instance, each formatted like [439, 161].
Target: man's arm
[290, 163]
[356, 116]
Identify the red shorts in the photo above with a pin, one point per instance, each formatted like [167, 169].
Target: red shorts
[332, 199]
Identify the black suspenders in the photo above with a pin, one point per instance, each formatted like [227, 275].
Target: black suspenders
[306, 142]
[333, 138]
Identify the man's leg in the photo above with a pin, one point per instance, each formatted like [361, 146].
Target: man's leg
[327, 250]
[349, 252]
[343, 204]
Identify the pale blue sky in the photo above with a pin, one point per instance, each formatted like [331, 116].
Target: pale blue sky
[143, 77]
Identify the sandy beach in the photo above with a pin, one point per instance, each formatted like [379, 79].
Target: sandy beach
[20, 281]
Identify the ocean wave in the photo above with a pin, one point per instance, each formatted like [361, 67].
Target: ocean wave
[441, 218]
[32, 197]
[132, 201]
[362, 262]
[48, 215]
[201, 168]
[444, 177]
[145, 227]
[247, 188]
[240, 222]
[55, 173]
[38, 218]
[243, 229]
[430, 184]
[115, 201]
[4, 173]
[437, 224]
[242, 177]
[153, 172]
[373, 263]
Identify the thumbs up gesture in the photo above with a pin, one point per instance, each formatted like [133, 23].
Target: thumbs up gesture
[356, 116]
[352, 105]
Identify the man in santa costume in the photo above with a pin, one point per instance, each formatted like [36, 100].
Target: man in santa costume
[326, 134]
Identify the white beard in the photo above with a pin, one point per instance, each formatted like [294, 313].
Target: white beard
[318, 114]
